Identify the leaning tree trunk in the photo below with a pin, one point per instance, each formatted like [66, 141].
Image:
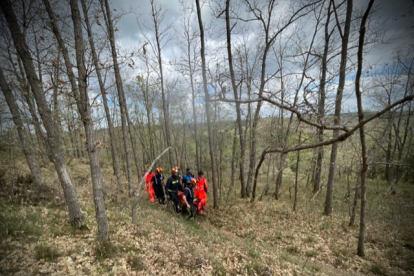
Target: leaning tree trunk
[121, 95]
[24, 140]
[76, 216]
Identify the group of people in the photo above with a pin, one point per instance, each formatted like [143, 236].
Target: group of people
[191, 191]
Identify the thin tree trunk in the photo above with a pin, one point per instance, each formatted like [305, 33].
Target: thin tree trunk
[164, 101]
[95, 58]
[207, 106]
[321, 103]
[121, 94]
[364, 165]
[238, 110]
[337, 115]
[24, 140]
[233, 163]
[296, 174]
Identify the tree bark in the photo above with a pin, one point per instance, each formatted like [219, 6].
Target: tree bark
[207, 106]
[238, 111]
[154, 14]
[364, 165]
[321, 103]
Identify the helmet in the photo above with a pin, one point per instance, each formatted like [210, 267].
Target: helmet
[173, 170]
[193, 181]
[177, 168]
[158, 170]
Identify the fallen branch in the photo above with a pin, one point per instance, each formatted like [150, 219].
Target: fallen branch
[391, 189]
[135, 203]
[320, 189]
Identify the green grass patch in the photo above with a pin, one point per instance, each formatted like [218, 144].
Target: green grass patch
[378, 269]
[15, 225]
[311, 253]
[310, 239]
[292, 250]
[46, 252]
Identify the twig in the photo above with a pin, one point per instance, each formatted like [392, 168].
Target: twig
[320, 189]
[392, 187]
[304, 265]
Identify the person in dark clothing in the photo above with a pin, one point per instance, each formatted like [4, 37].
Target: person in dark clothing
[189, 197]
[158, 184]
[187, 177]
[172, 187]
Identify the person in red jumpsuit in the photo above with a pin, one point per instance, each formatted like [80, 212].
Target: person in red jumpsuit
[148, 185]
[200, 192]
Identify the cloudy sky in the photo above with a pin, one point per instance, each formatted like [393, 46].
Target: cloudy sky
[396, 18]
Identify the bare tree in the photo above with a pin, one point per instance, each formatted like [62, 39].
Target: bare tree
[235, 93]
[364, 163]
[207, 106]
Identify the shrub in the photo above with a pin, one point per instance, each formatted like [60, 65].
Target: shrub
[105, 250]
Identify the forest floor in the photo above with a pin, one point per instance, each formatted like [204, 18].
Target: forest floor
[239, 238]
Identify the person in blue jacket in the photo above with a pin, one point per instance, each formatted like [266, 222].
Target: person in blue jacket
[187, 177]
[172, 187]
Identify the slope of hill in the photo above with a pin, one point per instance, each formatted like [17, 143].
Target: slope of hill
[240, 238]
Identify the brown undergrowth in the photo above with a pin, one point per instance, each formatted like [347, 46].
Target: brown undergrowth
[240, 238]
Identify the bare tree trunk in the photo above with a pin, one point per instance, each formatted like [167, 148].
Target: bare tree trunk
[41, 136]
[296, 174]
[321, 103]
[207, 105]
[24, 140]
[154, 15]
[337, 114]
[238, 111]
[233, 163]
[95, 58]
[121, 95]
[364, 165]
[76, 216]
